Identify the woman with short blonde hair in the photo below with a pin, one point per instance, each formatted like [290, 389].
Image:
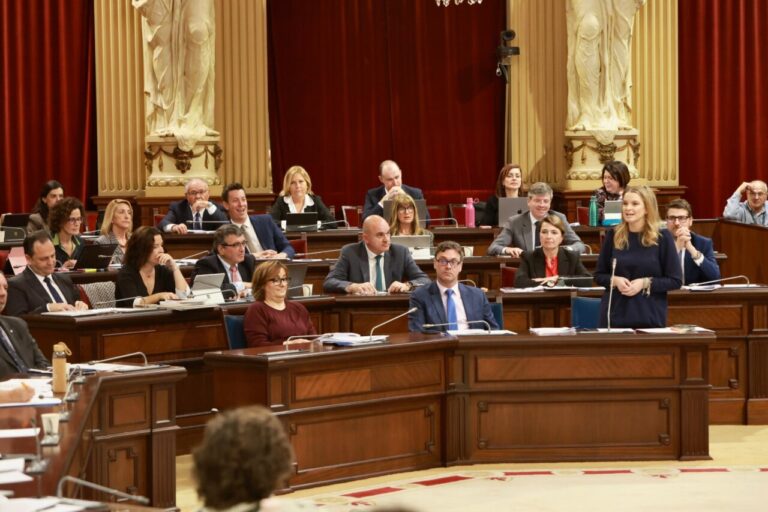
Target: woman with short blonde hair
[297, 197]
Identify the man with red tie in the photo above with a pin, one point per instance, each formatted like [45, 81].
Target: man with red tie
[229, 258]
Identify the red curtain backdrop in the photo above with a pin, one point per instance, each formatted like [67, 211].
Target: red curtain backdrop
[723, 114]
[47, 114]
[355, 82]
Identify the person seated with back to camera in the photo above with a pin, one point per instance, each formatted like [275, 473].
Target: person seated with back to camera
[404, 219]
[148, 267]
[64, 221]
[297, 197]
[116, 228]
[696, 254]
[229, 258]
[509, 183]
[374, 265]
[446, 300]
[244, 457]
[546, 264]
[194, 212]
[272, 319]
[519, 232]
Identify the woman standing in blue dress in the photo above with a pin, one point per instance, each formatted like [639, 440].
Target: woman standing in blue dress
[647, 266]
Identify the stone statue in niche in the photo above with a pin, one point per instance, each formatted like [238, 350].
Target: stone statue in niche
[599, 62]
[179, 44]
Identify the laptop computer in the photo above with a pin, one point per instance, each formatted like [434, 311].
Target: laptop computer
[412, 241]
[12, 234]
[14, 220]
[297, 272]
[306, 221]
[95, 256]
[577, 281]
[511, 206]
[612, 212]
[421, 210]
[208, 288]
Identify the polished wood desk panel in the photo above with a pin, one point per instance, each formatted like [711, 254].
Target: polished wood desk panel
[746, 245]
[172, 337]
[121, 434]
[429, 400]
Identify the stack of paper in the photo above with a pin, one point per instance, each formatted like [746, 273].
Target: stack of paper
[351, 339]
[553, 331]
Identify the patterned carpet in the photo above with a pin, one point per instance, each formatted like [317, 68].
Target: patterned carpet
[699, 489]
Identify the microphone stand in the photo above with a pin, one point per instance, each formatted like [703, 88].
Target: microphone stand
[610, 292]
[724, 279]
[142, 500]
[370, 335]
[486, 324]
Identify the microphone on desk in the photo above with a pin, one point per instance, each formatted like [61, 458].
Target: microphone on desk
[721, 280]
[455, 222]
[610, 292]
[207, 251]
[145, 366]
[209, 221]
[486, 324]
[313, 253]
[327, 223]
[142, 500]
[193, 294]
[385, 322]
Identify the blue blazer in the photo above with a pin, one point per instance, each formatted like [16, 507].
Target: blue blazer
[270, 236]
[431, 311]
[180, 213]
[709, 270]
[374, 195]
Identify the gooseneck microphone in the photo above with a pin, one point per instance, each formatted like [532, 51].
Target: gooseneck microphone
[722, 280]
[385, 322]
[455, 222]
[474, 284]
[124, 356]
[327, 223]
[486, 324]
[313, 253]
[610, 292]
[142, 500]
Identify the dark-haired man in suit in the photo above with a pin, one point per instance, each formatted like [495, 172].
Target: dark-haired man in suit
[18, 349]
[697, 256]
[229, 258]
[38, 289]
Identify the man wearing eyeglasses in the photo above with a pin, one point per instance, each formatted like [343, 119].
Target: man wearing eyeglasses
[229, 258]
[448, 302]
[695, 251]
[195, 212]
[374, 265]
[751, 211]
[38, 289]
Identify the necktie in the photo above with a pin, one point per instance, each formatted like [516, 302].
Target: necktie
[197, 224]
[17, 362]
[536, 236]
[451, 307]
[235, 276]
[682, 263]
[379, 276]
[54, 293]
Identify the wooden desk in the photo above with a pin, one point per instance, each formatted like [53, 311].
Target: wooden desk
[424, 401]
[121, 434]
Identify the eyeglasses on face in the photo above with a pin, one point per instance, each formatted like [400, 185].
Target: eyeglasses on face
[196, 192]
[236, 245]
[677, 218]
[75, 220]
[756, 193]
[280, 280]
[405, 209]
[448, 263]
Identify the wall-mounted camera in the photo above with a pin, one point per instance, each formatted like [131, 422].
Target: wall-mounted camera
[505, 51]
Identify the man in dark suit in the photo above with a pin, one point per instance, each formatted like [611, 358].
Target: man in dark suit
[38, 289]
[194, 212]
[374, 265]
[446, 301]
[18, 349]
[695, 251]
[519, 232]
[263, 237]
[229, 258]
[391, 178]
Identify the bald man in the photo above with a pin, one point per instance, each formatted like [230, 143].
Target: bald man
[374, 265]
[751, 211]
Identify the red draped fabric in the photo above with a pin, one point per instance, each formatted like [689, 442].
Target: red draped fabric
[723, 59]
[352, 83]
[47, 113]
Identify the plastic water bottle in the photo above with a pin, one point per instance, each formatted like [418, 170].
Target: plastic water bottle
[469, 213]
[593, 211]
[59, 363]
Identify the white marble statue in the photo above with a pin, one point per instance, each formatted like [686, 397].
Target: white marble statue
[178, 68]
[599, 62]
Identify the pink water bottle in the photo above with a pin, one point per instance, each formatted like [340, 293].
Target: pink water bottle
[469, 213]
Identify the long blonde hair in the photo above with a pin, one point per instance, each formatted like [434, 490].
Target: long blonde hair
[401, 201]
[109, 213]
[651, 230]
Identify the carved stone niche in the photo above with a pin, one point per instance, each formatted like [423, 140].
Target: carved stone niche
[586, 152]
[169, 167]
